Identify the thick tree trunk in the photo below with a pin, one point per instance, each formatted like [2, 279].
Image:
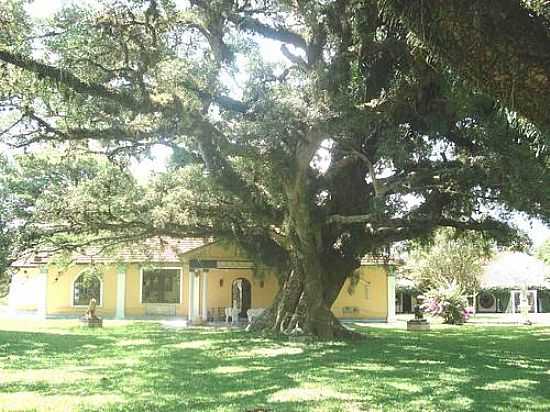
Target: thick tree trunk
[300, 304]
[305, 298]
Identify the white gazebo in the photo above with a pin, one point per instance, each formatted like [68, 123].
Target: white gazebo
[516, 271]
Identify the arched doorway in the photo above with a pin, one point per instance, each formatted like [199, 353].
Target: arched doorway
[241, 296]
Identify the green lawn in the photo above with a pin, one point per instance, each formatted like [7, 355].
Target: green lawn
[143, 367]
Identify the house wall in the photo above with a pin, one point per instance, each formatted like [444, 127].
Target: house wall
[219, 295]
[25, 290]
[360, 304]
[132, 306]
[60, 291]
[368, 299]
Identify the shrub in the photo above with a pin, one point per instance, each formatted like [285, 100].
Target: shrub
[449, 302]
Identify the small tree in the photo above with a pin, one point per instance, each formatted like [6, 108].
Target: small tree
[451, 258]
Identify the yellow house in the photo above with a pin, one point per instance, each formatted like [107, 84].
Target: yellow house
[192, 279]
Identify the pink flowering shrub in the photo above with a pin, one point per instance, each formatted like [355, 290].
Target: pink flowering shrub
[449, 302]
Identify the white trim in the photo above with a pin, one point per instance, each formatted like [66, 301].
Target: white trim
[190, 297]
[529, 292]
[120, 292]
[194, 312]
[155, 268]
[181, 287]
[141, 285]
[204, 296]
[390, 284]
[196, 297]
[100, 290]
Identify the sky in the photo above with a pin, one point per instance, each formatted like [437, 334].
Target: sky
[538, 232]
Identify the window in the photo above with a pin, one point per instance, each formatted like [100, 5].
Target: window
[86, 287]
[160, 286]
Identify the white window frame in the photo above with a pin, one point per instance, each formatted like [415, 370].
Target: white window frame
[100, 290]
[156, 268]
[529, 292]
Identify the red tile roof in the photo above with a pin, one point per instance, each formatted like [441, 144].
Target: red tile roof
[160, 249]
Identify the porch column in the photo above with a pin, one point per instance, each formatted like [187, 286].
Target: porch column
[190, 297]
[204, 277]
[120, 291]
[194, 296]
[390, 277]
[42, 305]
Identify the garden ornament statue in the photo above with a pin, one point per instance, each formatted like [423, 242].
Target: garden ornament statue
[90, 319]
[418, 323]
[90, 314]
[418, 314]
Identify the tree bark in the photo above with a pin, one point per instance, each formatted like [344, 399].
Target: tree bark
[300, 305]
[307, 294]
[502, 48]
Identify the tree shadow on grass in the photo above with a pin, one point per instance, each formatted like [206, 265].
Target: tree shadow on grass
[150, 368]
[454, 369]
[23, 350]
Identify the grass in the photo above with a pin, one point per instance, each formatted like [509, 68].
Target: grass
[143, 367]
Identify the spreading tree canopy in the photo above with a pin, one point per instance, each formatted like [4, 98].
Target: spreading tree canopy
[501, 47]
[350, 143]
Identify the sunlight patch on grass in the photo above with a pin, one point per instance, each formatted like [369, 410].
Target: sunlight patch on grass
[192, 344]
[23, 401]
[458, 402]
[90, 346]
[415, 348]
[421, 362]
[49, 376]
[522, 364]
[116, 362]
[274, 352]
[370, 367]
[132, 342]
[452, 378]
[223, 370]
[408, 387]
[58, 327]
[230, 369]
[420, 405]
[303, 394]
[508, 385]
[242, 393]
[345, 406]
[457, 370]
